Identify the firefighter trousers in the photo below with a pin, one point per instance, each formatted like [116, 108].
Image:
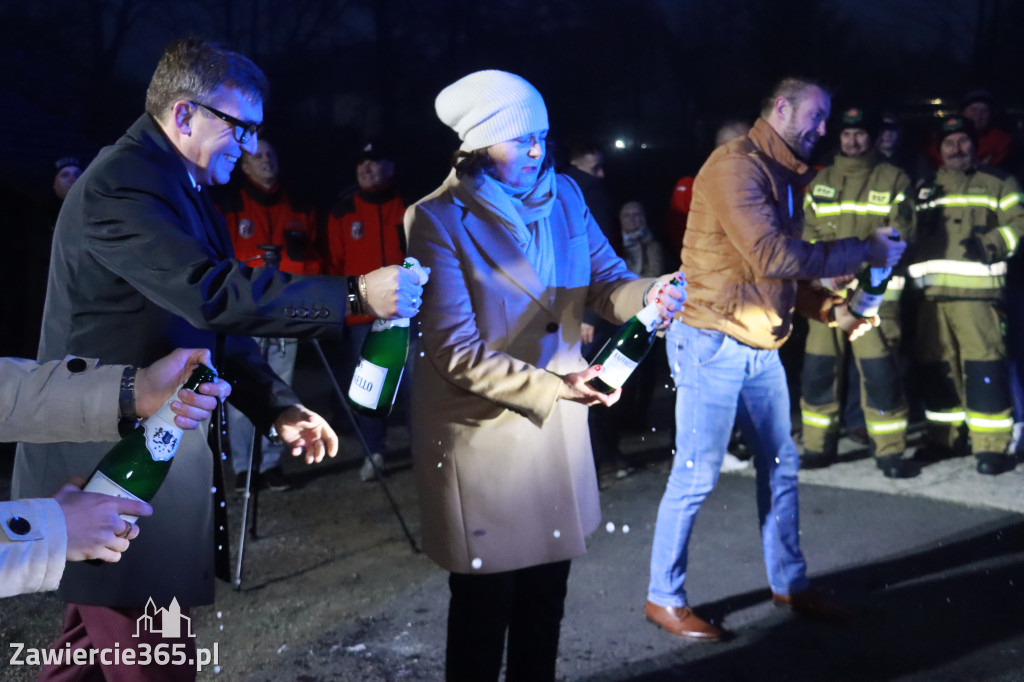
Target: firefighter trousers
[965, 374]
[881, 390]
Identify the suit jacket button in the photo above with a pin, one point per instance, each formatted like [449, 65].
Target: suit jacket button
[76, 365]
[18, 525]
[552, 327]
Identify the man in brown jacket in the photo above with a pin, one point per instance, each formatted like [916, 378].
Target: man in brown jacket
[747, 269]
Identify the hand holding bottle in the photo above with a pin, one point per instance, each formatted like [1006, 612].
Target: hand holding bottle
[854, 326]
[628, 346]
[669, 295]
[95, 529]
[395, 291]
[156, 383]
[137, 465]
[575, 388]
[382, 358]
[885, 248]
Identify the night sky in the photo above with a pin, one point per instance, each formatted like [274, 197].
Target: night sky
[659, 72]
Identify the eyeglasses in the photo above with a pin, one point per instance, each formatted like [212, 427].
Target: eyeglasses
[248, 130]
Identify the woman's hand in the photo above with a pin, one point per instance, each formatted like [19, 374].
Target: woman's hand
[668, 296]
[575, 388]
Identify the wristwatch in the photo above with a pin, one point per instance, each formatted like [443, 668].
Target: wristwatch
[355, 301]
[128, 419]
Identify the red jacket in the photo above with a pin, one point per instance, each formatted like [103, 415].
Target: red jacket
[364, 232]
[256, 217]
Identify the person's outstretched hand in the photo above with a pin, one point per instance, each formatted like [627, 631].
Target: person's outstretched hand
[306, 433]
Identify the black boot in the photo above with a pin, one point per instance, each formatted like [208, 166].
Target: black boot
[894, 466]
[994, 463]
[812, 459]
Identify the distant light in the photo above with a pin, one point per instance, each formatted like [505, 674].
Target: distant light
[937, 101]
[643, 145]
[619, 144]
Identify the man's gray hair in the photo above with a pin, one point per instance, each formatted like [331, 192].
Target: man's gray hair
[195, 68]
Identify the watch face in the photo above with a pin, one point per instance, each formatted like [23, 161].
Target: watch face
[357, 230]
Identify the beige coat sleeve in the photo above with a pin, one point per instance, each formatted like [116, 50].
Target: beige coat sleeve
[33, 546]
[50, 402]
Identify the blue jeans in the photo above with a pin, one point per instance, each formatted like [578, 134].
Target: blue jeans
[719, 380]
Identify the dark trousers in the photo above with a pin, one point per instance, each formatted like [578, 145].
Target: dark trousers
[105, 628]
[527, 604]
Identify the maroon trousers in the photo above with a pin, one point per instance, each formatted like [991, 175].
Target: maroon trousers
[112, 632]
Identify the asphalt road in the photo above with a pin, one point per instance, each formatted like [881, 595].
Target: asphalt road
[936, 588]
[932, 568]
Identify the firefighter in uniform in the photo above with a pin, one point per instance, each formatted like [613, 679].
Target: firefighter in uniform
[969, 221]
[858, 194]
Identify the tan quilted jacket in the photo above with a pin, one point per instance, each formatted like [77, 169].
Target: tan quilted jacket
[742, 253]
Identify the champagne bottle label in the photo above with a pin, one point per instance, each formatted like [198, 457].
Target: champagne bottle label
[367, 382]
[648, 316]
[101, 483]
[616, 369]
[863, 304]
[867, 298]
[162, 439]
[382, 325]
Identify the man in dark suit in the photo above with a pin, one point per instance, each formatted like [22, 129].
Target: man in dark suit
[142, 263]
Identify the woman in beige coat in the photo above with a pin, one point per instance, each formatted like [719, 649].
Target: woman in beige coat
[504, 468]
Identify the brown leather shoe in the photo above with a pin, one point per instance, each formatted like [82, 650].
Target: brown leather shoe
[812, 603]
[682, 621]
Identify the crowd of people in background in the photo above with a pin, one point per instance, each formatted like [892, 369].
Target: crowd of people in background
[360, 228]
[503, 226]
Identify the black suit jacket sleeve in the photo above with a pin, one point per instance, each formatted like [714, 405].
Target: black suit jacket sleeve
[166, 241]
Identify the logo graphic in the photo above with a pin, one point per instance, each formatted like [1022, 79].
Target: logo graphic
[245, 228]
[164, 622]
[163, 443]
[357, 230]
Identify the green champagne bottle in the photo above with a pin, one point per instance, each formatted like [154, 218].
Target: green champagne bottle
[621, 353]
[138, 464]
[376, 377]
[381, 363]
[867, 297]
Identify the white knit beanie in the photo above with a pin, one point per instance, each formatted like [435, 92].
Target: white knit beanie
[488, 107]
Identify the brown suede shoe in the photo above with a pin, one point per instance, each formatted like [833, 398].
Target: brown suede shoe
[682, 621]
[812, 603]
